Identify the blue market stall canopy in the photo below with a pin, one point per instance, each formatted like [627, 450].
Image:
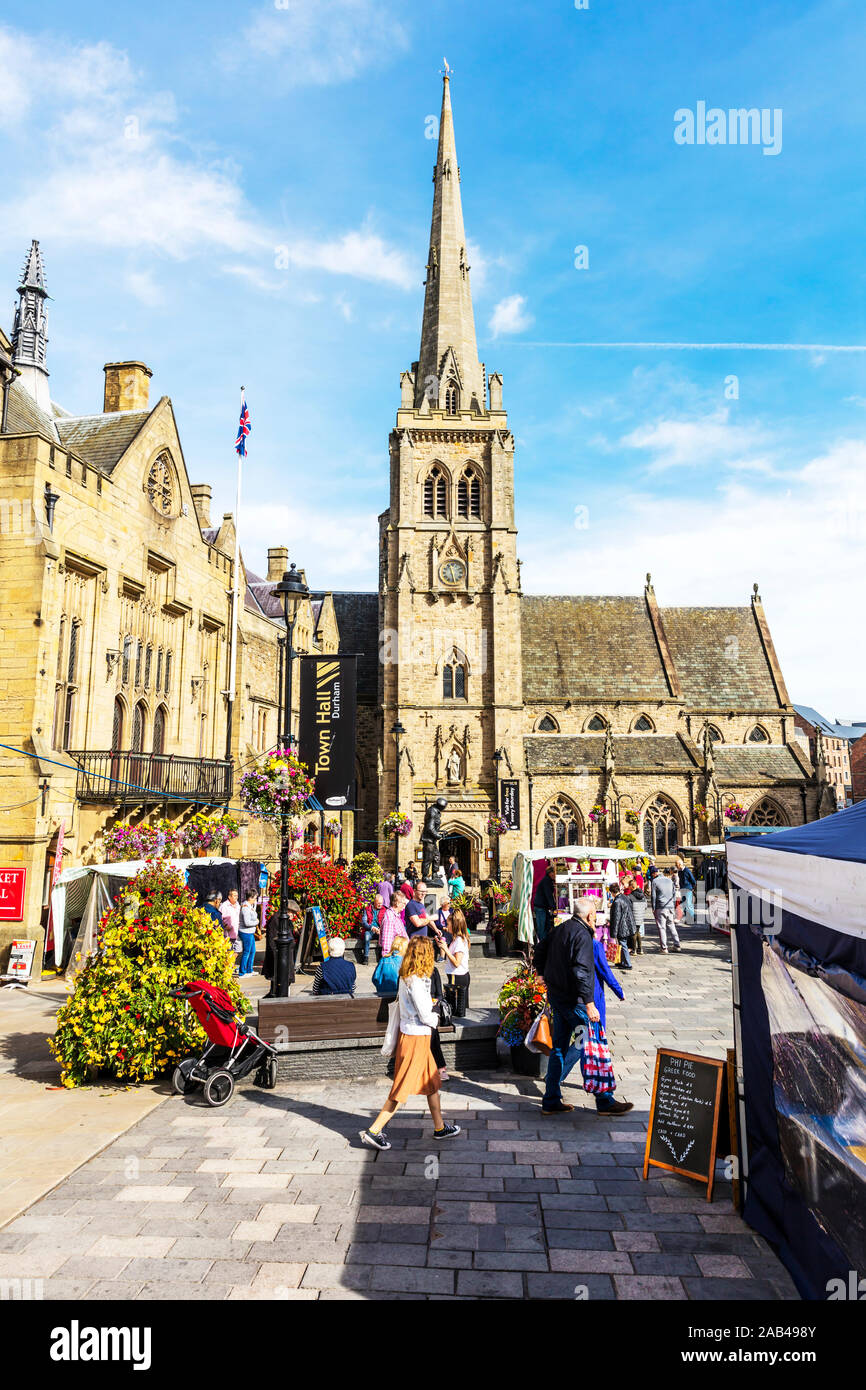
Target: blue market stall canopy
[798, 900]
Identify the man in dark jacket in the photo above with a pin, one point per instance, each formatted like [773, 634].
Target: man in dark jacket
[544, 903]
[566, 961]
[622, 924]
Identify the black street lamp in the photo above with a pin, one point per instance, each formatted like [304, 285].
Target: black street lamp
[398, 732]
[497, 759]
[290, 589]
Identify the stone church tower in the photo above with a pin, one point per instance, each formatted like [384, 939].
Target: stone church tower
[449, 582]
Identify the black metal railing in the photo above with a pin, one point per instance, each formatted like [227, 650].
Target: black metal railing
[151, 777]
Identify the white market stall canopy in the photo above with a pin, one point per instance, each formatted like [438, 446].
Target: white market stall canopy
[81, 895]
[522, 874]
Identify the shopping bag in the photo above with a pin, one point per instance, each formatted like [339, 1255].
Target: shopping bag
[595, 1062]
[539, 1038]
[392, 1032]
[613, 951]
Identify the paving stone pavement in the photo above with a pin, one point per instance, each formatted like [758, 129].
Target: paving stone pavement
[272, 1197]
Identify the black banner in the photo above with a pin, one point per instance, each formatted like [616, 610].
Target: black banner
[509, 804]
[326, 742]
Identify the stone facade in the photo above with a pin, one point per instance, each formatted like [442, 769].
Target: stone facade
[115, 620]
[580, 701]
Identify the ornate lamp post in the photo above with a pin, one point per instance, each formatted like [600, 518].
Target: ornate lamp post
[290, 589]
[398, 732]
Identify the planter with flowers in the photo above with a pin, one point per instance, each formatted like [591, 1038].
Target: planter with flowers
[701, 812]
[333, 828]
[129, 842]
[279, 785]
[121, 1020]
[366, 874]
[497, 825]
[632, 818]
[520, 1001]
[735, 813]
[314, 880]
[204, 835]
[397, 823]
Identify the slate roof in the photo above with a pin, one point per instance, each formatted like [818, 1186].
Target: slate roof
[596, 648]
[719, 658]
[851, 731]
[756, 764]
[101, 440]
[358, 624]
[555, 753]
[25, 417]
[262, 592]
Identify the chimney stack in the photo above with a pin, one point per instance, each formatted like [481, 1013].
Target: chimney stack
[278, 562]
[126, 386]
[201, 495]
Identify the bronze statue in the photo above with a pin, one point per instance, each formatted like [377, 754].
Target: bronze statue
[430, 837]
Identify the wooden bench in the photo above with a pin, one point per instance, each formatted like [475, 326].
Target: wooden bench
[321, 1019]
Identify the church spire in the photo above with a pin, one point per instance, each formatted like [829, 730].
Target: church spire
[29, 338]
[448, 371]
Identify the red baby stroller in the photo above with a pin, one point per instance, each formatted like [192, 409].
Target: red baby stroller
[233, 1051]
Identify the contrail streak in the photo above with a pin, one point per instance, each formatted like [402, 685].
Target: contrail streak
[713, 347]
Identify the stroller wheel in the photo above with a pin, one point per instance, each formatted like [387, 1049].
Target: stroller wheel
[219, 1087]
[181, 1078]
[267, 1076]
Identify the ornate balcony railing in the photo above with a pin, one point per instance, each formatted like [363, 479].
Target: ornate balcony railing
[136, 778]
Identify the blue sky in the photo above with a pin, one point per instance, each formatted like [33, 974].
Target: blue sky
[242, 194]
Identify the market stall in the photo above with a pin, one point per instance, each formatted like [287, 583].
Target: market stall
[81, 896]
[799, 951]
[711, 868]
[575, 881]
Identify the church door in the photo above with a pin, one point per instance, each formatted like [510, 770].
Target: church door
[461, 847]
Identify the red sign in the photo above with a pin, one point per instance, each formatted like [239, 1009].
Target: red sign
[12, 894]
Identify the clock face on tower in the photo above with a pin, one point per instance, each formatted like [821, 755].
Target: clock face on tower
[452, 572]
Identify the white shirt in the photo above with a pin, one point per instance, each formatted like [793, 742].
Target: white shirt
[416, 1009]
[460, 948]
[249, 917]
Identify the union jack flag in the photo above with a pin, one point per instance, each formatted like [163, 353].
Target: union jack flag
[244, 428]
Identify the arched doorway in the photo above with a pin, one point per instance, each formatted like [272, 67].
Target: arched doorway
[461, 847]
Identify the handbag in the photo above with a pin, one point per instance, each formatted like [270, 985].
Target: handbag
[392, 1031]
[595, 1062]
[539, 1038]
[444, 1010]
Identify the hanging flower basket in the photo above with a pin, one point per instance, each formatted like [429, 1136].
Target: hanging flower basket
[203, 834]
[598, 813]
[279, 785]
[130, 842]
[396, 823]
[735, 813]
[632, 818]
[701, 812]
[333, 827]
[497, 825]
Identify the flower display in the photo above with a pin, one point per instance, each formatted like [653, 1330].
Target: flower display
[314, 880]
[396, 823]
[333, 827]
[632, 818]
[701, 811]
[208, 833]
[520, 1001]
[735, 813]
[497, 825]
[598, 813]
[168, 838]
[120, 1019]
[366, 874]
[279, 785]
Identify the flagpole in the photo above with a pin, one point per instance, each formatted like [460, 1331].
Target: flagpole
[233, 648]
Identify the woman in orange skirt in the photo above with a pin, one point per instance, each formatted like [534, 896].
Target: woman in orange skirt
[415, 1072]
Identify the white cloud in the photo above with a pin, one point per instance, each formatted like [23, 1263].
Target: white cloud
[142, 285]
[711, 439]
[109, 169]
[320, 42]
[338, 550]
[804, 546]
[509, 316]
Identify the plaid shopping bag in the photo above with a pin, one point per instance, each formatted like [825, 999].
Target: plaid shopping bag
[613, 951]
[595, 1062]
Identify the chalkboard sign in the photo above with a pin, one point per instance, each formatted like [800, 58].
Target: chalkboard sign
[684, 1116]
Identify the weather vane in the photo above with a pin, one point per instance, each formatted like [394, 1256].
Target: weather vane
[447, 67]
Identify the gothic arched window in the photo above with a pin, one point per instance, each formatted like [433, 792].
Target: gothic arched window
[758, 735]
[168, 673]
[127, 656]
[548, 725]
[767, 813]
[148, 658]
[643, 725]
[138, 720]
[117, 726]
[454, 677]
[435, 493]
[715, 734]
[451, 398]
[160, 485]
[660, 828]
[561, 824]
[469, 496]
[597, 724]
[159, 730]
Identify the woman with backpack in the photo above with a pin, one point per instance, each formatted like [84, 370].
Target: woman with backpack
[415, 1071]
